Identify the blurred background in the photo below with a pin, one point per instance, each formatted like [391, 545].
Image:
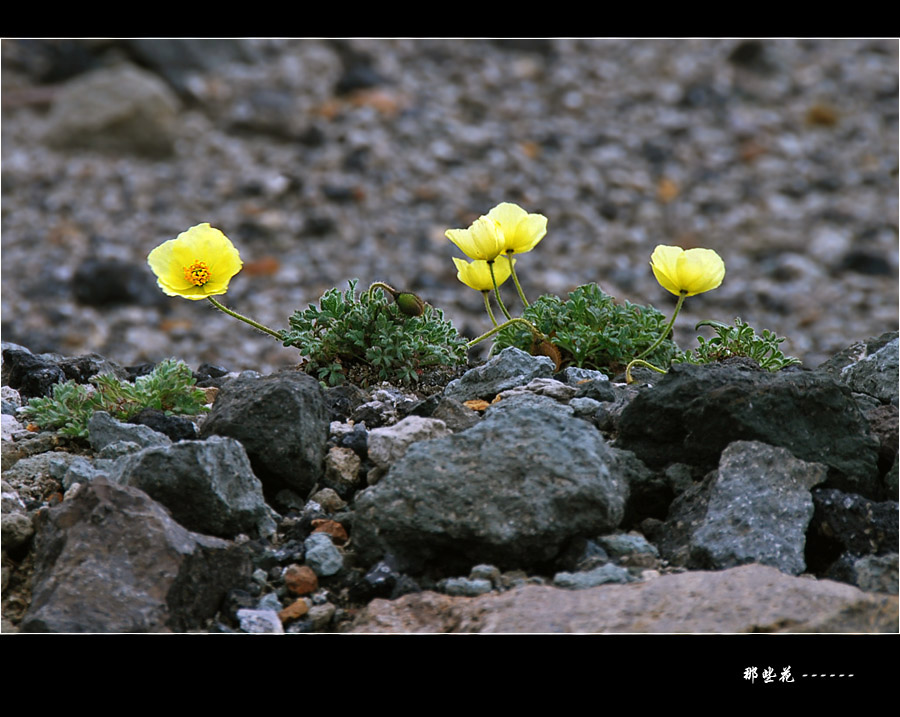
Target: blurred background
[326, 160]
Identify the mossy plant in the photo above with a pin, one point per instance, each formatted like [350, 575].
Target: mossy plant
[590, 330]
[367, 337]
[169, 387]
[738, 340]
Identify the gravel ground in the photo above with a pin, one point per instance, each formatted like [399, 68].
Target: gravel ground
[781, 155]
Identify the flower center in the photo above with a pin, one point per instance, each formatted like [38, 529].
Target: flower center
[197, 273]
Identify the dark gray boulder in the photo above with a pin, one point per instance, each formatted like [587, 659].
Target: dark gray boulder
[513, 491]
[112, 560]
[282, 422]
[694, 412]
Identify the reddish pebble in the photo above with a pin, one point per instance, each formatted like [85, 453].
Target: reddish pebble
[333, 528]
[300, 579]
[296, 609]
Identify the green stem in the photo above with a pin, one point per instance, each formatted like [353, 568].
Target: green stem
[512, 271]
[487, 305]
[254, 324]
[639, 362]
[381, 285]
[497, 291]
[665, 332]
[531, 327]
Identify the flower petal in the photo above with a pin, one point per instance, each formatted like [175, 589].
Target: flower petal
[521, 230]
[200, 245]
[477, 274]
[687, 272]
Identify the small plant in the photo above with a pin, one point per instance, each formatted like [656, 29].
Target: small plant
[169, 387]
[738, 340]
[590, 330]
[366, 336]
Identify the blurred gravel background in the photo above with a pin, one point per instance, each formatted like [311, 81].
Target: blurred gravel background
[326, 160]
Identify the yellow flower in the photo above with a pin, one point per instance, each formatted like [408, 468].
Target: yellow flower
[477, 274]
[482, 240]
[687, 272]
[521, 230]
[196, 264]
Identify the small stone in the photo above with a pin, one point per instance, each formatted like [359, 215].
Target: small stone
[260, 621]
[294, 611]
[300, 579]
[321, 554]
[17, 530]
[331, 527]
[329, 500]
[602, 575]
[465, 587]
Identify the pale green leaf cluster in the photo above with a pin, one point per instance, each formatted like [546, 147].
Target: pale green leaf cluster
[170, 387]
[738, 340]
[346, 332]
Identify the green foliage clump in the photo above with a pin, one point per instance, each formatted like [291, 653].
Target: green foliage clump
[738, 340]
[590, 330]
[169, 387]
[365, 337]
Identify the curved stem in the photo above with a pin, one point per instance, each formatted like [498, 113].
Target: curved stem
[639, 362]
[487, 305]
[497, 291]
[665, 332]
[381, 285]
[531, 327]
[254, 324]
[512, 271]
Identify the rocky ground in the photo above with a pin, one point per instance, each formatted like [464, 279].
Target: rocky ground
[377, 509]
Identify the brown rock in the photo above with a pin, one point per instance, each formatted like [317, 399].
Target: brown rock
[331, 527]
[295, 610]
[750, 598]
[300, 579]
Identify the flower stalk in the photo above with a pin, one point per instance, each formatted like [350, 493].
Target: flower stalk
[265, 329]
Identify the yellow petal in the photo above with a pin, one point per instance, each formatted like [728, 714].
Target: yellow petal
[477, 274]
[171, 261]
[687, 272]
[521, 230]
[482, 240]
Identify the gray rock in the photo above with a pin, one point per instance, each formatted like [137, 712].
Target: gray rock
[342, 467]
[575, 376]
[876, 374]
[467, 587]
[878, 573]
[388, 444]
[511, 491]
[260, 622]
[698, 410]
[455, 415]
[116, 109]
[600, 575]
[758, 510]
[16, 530]
[322, 555]
[208, 485]
[112, 560]
[510, 368]
[282, 422]
[624, 545]
[105, 431]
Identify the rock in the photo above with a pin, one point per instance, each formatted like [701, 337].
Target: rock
[751, 598]
[300, 579]
[455, 415]
[104, 430]
[758, 510]
[510, 368]
[868, 366]
[877, 573]
[513, 490]
[115, 109]
[31, 375]
[282, 422]
[342, 466]
[322, 555]
[265, 622]
[698, 410]
[851, 525]
[465, 586]
[600, 575]
[389, 443]
[177, 428]
[208, 486]
[112, 560]
[16, 531]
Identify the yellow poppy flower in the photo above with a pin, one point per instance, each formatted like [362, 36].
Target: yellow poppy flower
[687, 272]
[477, 274]
[196, 264]
[482, 240]
[521, 230]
